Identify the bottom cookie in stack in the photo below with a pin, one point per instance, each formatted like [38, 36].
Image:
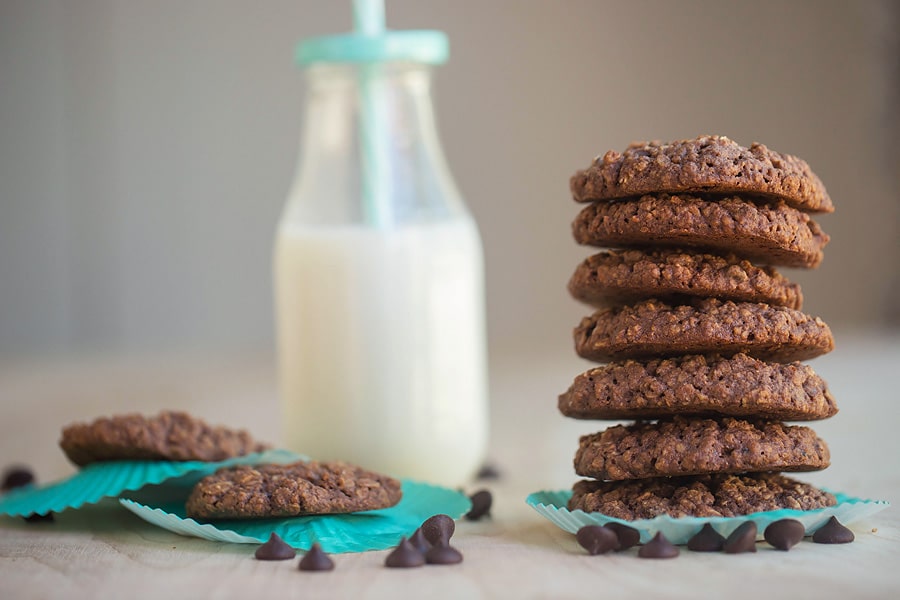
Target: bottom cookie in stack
[720, 495]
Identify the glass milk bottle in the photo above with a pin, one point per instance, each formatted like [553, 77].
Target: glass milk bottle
[379, 278]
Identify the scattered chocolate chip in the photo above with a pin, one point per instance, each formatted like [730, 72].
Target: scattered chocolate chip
[742, 539]
[628, 536]
[275, 549]
[481, 505]
[36, 518]
[833, 532]
[443, 554]
[488, 471]
[16, 477]
[596, 539]
[419, 542]
[316, 560]
[438, 528]
[785, 533]
[706, 540]
[658, 547]
[404, 556]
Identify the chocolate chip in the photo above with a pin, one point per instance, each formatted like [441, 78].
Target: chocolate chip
[443, 554]
[658, 547]
[833, 532]
[488, 471]
[438, 528]
[404, 556]
[785, 533]
[742, 539]
[481, 505]
[628, 536]
[275, 549]
[706, 540]
[316, 560]
[36, 518]
[16, 477]
[419, 542]
[596, 539]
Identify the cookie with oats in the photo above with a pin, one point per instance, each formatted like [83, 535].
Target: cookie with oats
[707, 164]
[654, 329]
[724, 495]
[289, 490]
[739, 386]
[766, 234]
[622, 276]
[683, 446]
[170, 435]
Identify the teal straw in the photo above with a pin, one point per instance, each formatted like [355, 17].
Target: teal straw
[368, 20]
[368, 17]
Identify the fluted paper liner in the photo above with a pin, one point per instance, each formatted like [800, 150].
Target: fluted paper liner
[355, 532]
[552, 506]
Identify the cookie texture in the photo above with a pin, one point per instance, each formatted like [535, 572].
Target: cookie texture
[724, 495]
[302, 488]
[619, 276]
[683, 446]
[652, 329]
[768, 234]
[170, 435]
[705, 164]
[740, 386]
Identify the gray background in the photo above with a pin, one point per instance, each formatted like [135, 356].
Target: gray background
[146, 149]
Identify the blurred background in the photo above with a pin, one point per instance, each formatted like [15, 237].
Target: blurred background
[147, 148]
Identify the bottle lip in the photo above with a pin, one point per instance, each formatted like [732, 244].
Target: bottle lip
[421, 46]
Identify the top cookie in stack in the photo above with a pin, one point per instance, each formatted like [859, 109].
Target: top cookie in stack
[702, 331]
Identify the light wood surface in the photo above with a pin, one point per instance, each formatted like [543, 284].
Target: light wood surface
[106, 552]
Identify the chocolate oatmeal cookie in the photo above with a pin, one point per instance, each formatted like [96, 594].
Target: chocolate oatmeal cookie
[768, 234]
[740, 386]
[723, 495]
[169, 435]
[683, 446]
[622, 276]
[653, 329]
[705, 164]
[302, 488]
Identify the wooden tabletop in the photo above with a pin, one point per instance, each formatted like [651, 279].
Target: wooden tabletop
[104, 551]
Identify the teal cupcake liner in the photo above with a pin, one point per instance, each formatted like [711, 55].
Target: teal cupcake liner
[552, 506]
[110, 479]
[355, 532]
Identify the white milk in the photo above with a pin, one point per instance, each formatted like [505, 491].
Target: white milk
[382, 347]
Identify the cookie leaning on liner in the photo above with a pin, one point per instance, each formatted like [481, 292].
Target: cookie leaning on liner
[707, 164]
[302, 488]
[170, 435]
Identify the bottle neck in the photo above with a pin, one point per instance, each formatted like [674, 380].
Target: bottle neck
[370, 151]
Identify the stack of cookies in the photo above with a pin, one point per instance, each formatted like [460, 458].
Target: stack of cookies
[700, 334]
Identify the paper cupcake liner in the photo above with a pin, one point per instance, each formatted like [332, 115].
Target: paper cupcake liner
[552, 506]
[109, 479]
[356, 532]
